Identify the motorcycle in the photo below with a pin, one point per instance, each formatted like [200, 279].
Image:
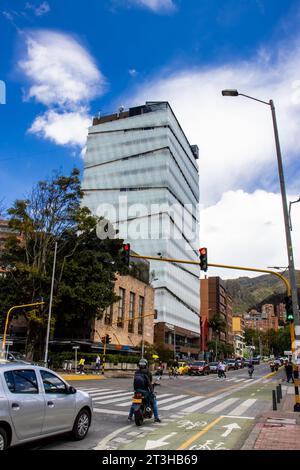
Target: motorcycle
[272, 367]
[142, 407]
[250, 372]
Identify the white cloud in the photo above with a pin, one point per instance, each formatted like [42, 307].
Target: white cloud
[39, 10]
[68, 128]
[157, 6]
[62, 72]
[245, 229]
[64, 77]
[235, 135]
[237, 152]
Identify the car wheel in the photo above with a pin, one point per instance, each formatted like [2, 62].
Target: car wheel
[3, 439]
[81, 425]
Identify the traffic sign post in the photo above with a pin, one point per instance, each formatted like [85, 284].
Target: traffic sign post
[75, 348]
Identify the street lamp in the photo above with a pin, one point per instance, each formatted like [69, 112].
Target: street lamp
[290, 207]
[284, 202]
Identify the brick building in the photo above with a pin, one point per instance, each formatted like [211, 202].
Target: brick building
[215, 300]
[238, 328]
[183, 342]
[123, 321]
[264, 321]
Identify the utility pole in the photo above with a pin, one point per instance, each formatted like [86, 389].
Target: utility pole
[50, 306]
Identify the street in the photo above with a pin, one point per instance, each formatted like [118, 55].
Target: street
[197, 413]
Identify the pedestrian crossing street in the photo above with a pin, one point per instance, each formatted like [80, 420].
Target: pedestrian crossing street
[117, 402]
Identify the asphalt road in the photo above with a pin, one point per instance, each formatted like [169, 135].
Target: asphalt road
[218, 410]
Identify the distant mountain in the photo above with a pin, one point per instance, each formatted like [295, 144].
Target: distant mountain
[252, 292]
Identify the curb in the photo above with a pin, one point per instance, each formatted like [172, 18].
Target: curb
[74, 377]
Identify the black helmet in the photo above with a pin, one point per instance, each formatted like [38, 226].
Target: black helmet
[143, 363]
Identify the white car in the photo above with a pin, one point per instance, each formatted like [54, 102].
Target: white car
[35, 402]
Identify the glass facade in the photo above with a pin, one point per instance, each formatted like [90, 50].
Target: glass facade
[144, 167]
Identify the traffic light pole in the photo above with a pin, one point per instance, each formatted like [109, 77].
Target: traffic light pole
[244, 268]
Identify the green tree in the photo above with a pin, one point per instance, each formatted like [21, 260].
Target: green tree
[86, 266]
[218, 326]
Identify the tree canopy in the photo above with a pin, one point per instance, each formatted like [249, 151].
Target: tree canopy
[86, 266]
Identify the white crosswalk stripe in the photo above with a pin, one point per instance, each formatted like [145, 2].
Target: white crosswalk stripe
[128, 403]
[222, 406]
[181, 403]
[240, 409]
[169, 401]
[116, 399]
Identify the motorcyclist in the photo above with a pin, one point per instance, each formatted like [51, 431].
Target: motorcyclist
[143, 383]
[250, 368]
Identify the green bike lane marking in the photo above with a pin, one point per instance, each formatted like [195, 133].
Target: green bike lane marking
[195, 432]
[207, 431]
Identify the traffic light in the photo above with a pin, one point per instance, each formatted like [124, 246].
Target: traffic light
[103, 339]
[289, 309]
[126, 253]
[203, 259]
[108, 339]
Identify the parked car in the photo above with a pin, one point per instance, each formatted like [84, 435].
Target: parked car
[183, 368]
[213, 367]
[17, 357]
[35, 402]
[199, 368]
[231, 364]
[256, 360]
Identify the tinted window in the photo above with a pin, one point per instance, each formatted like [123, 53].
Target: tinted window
[198, 364]
[21, 381]
[52, 384]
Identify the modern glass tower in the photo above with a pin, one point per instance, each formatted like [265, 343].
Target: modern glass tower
[140, 162]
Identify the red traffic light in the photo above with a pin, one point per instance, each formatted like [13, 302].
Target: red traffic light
[203, 259]
[126, 247]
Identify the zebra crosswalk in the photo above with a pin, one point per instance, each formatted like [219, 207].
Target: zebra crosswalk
[115, 402]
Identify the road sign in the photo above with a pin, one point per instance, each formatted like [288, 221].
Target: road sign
[75, 347]
[9, 343]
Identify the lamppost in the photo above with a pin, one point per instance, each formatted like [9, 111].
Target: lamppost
[284, 202]
[290, 206]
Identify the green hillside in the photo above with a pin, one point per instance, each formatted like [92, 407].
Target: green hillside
[252, 292]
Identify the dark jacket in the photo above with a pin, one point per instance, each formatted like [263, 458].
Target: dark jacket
[143, 380]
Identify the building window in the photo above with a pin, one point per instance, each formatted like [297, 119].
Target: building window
[131, 313]
[141, 316]
[108, 315]
[121, 308]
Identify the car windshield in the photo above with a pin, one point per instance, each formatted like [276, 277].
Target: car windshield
[199, 363]
[213, 363]
[18, 355]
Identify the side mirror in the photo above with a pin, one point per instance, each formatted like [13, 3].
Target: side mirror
[72, 390]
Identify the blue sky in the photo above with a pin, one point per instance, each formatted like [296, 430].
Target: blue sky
[114, 52]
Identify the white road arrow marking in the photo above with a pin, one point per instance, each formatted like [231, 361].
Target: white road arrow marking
[230, 428]
[159, 442]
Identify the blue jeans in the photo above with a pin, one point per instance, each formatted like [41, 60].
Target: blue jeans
[150, 398]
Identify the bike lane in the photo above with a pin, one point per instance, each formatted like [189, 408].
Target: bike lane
[208, 431]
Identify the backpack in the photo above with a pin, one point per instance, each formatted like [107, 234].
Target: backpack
[141, 381]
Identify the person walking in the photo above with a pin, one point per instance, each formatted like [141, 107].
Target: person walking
[81, 365]
[219, 370]
[49, 362]
[98, 363]
[223, 368]
[289, 372]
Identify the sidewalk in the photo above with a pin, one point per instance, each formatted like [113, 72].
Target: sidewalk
[277, 430]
